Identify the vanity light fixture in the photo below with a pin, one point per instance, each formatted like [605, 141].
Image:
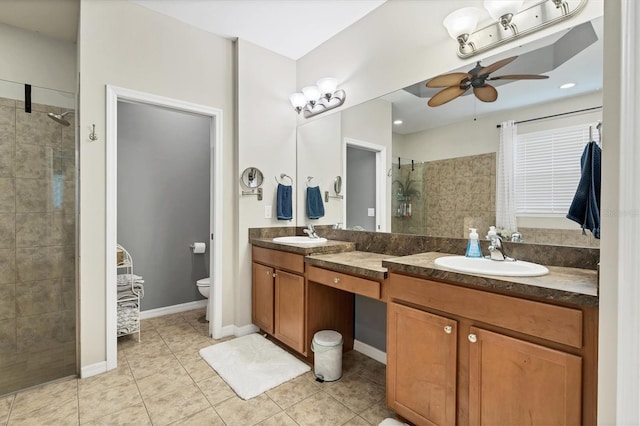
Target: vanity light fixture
[509, 22]
[317, 99]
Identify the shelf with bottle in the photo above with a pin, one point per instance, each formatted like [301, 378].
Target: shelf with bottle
[404, 208]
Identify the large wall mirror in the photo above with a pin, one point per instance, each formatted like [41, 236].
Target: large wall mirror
[437, 174]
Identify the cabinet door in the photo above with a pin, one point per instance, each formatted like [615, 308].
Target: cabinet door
[514, 382]
[421, 365]
[290, 309]
[262, 297]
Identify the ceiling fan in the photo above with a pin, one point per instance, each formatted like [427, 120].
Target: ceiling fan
[457, 83]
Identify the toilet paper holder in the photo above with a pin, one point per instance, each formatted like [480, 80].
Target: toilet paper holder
[198, 248]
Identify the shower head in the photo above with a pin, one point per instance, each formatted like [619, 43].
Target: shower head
[60, 118]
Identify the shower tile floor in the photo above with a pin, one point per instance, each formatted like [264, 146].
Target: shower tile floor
[162, 380]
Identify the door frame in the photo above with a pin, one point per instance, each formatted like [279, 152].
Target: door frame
[114, 94]
[381, 181]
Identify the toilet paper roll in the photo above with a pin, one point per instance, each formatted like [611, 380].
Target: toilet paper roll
[199, 248]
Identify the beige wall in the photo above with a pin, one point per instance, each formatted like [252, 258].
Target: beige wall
[126, 45]
[266, 140]
[28, 57]
[609, 345]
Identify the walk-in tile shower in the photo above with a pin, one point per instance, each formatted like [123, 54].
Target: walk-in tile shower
[37, 245]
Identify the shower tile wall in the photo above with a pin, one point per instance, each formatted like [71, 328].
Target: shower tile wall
[37, 247]
[460, 195]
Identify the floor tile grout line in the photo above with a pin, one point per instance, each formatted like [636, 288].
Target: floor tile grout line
[13, 401]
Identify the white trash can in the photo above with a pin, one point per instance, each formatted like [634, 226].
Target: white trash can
[327, 347]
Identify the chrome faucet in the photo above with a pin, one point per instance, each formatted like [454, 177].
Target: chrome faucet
[496, 250]
[310, 231]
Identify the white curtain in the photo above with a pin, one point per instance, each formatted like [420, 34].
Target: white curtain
[505, 187]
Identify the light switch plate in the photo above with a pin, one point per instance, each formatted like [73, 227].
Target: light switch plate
[371, 212]
[267, 212]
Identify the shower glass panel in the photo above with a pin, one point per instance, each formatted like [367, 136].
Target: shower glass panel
[38, 177]
[409, 198]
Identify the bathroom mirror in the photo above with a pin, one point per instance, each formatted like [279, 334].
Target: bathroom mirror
[337, 185]
[449, 143]
[251, 178]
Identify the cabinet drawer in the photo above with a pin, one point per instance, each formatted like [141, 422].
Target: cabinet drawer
[279, 259]
[555, 323]
[344, 282]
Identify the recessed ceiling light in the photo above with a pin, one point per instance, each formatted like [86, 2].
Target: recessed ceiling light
[397, 122]
[567, 85]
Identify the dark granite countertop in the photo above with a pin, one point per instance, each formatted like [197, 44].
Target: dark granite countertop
[362, 263]
[331, 246]
[562, 284]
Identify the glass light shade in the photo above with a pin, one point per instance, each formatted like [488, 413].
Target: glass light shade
[312, 93]
[462, 21]
[498, 8]
[327, 86]
[298, 100]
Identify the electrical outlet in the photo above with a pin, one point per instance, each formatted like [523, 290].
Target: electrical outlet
[371, 212]
[267, 212]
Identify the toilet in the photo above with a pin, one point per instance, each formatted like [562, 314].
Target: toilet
[204, 285]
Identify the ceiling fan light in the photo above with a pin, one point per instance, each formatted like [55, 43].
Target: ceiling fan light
[462, 21]
[499, 8]
[327, 86]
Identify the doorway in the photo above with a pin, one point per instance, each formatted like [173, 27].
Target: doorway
[116, 96]
[366, 186]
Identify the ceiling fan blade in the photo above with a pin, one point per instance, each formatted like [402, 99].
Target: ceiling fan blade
[495, 66]
[519, 77]
[486, 93]
[446, 80]
[445, 95]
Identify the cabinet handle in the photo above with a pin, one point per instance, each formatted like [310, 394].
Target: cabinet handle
[275, 275]
[473, 338]
[269, 272]
[336, 280]
[448, 329]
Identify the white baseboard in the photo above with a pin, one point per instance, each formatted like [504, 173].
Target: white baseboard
[370, 351]
[174, 309]
[244, 330]
[93, 369]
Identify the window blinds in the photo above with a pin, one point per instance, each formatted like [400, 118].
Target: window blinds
[547, 169]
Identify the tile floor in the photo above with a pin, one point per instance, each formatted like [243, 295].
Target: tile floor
[163, 380]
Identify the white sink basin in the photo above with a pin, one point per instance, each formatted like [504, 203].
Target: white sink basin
[518, 268]
[299, 240]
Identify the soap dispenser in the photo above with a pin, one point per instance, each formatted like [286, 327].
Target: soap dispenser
[492, 233]
[473, 246]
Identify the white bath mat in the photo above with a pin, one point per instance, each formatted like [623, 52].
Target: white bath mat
[252, 364]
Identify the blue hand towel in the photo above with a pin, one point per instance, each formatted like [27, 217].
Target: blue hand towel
[585, 207]
[284, 206]
[315, 208]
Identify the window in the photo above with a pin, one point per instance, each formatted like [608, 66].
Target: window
[547, 169]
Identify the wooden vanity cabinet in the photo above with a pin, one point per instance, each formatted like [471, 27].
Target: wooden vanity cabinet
[462, 356]
[289, 307]
[262, 297]
[421, 365]
[278, 296]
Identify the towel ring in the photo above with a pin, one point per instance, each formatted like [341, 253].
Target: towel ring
[309, 179]
[282, 176]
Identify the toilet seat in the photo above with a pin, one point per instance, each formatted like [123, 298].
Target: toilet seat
[204, 282]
